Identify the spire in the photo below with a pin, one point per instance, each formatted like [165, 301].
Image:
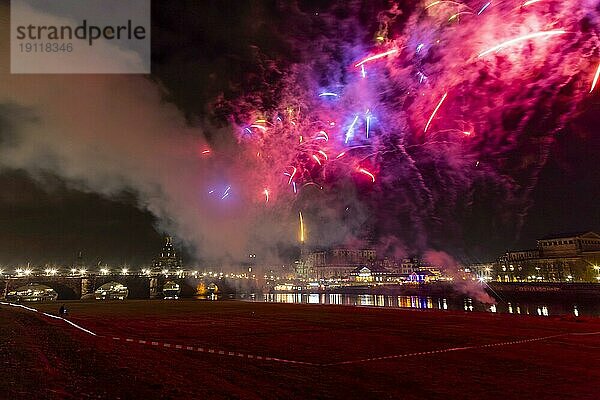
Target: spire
[168, 258]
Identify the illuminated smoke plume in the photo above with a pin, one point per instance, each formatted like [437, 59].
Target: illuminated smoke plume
[387, 125]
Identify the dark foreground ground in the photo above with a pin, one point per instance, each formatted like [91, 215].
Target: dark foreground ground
[45, 358]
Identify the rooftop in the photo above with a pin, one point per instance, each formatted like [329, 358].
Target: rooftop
[570, 235]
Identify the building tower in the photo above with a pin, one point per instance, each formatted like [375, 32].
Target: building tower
[168, 258]
[79, 262]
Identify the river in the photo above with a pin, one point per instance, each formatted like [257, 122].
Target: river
[543, 307]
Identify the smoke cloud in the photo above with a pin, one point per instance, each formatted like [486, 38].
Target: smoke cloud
[109, 134]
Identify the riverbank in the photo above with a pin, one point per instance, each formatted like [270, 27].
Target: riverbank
[491, 356]
[578, 289]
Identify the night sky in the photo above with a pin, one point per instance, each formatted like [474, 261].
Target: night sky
[203, 50]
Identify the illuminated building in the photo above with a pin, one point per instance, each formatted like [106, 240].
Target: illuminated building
[483, 271]
[559, 258]
[424, 276]
[370, 274]
[337, 263]
[362, 265]
[409, 265]
[168, 258]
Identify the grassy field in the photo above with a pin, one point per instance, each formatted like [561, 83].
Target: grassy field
[46, 358]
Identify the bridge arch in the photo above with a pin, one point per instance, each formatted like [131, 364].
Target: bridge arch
[67, 289]
[111, 291]
[137, 287]
[32, 292]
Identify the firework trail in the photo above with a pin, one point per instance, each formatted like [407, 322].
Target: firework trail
[302, 237]
[457, 102]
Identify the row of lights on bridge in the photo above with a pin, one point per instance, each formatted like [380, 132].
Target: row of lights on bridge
[83, 271]
[20, 272]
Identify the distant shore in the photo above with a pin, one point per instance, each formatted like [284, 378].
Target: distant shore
[580, 289]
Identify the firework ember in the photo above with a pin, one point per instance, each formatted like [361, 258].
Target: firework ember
[595, 80]
[521, 39]
[376, 57]
[435, 111]
[370, 175]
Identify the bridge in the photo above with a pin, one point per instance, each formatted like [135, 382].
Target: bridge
[139, 286]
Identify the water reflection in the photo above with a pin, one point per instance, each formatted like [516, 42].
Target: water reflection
[468, 304]
[335, 298]
[211, 297]
[436, 303]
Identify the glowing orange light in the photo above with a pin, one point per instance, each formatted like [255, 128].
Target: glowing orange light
[302, 237]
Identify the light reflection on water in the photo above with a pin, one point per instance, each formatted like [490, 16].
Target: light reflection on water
[561, 307]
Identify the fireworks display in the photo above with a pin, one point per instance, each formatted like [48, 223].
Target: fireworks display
[397, 136]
